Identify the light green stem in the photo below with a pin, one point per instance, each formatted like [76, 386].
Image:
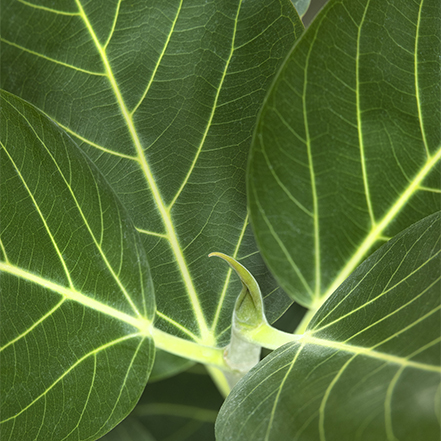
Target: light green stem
[301, 329]
[193, 351]
[240, 355]
[268, 337]
[220, 379]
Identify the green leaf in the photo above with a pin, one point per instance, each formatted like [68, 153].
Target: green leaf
[163, 96]
[180, 408]
[77, 300]
[347, 149]
[368, 367]
[166, 365]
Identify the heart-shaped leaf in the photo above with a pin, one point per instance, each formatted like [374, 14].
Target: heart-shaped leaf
[368, 366]
[163, 96]
[347, 149]
[77, 301]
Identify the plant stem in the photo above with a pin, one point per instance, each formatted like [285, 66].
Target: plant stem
[219, 378]
[268, 337]
[193, 351]
[240, 355]
[305, 321]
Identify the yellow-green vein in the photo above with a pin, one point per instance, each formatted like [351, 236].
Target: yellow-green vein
[140, 323]
[395, 311]
[432, 190]
[43, 219]
[78, 362]
[44, 8]
[377, 231]
[313, 184]
[283, 248]
[92, 144]
[417, 86]
[80, 417]
[152, 233]
[283, 187]
[279, 391]
[178, 326]
[174, 243]
[53, 60]
[3, 249]
[83, 217]
[326, 396]
[112, 30]
[129, 368]
[213, 111]
[388, 405]
[368, 352]
[167, 41]
[359, 124]
[410, 326]
[354, 290]
[34, 325]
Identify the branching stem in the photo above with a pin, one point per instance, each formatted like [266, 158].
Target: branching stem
[207, 355]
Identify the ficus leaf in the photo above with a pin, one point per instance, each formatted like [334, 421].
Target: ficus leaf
[347, 149]
[77, 300]
[368, 366]
[163, 96]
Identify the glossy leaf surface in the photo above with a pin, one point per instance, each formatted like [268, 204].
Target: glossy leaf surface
[163, 96]
[369, 365]
[347, 148]
[77, 300]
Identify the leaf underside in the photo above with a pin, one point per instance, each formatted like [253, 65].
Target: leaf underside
[347, 148]
[77, 300]
[163, 96]
[368, 367]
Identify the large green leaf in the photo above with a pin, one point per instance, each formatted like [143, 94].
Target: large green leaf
[369, 365]
[163, 96]
[182, 408]
[347, 148]
[76, 296]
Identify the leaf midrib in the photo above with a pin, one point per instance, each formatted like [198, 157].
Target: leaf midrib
[165, 215]
[377, 231]
[207, 335]
[140, 323]
[369, 352]
[98, 244]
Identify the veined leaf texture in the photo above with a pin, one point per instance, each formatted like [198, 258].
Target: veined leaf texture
[347, 149]
[163, 96]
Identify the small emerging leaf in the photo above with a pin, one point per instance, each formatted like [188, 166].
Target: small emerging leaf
[249, 309]
[368, 367]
